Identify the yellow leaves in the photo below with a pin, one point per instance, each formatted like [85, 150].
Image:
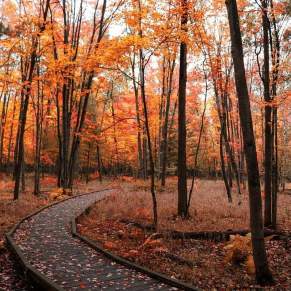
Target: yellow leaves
[9, 9]
[60, 193]
[239, 250]
[131, 20]
[250, 265]
[156, 245]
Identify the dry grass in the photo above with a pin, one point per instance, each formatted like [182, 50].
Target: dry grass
[12, 211]
[209, 209]
[210, 267]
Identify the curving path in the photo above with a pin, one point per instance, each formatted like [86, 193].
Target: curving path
[46, 242]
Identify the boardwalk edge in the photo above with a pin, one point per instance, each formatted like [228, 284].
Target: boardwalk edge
[31, 273]
[155, 275]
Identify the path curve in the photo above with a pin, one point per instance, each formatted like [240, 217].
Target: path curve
[47, 244]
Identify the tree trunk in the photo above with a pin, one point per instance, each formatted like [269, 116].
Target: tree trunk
[165, 129]
[275, 74]
[11, 131]
[137, 112]
[199, 141]
[223, 171]
[99, 164]
[20, 148]
[147, 128]
[88, 163]
[268, 119]
[38, 129]
[263, 274]
[182, 165]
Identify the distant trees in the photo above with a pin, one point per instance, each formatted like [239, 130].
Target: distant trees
[75, 90]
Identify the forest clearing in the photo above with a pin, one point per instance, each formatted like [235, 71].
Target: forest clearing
[145, 145]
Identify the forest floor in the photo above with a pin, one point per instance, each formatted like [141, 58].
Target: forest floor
[203, 263]
[13, 211]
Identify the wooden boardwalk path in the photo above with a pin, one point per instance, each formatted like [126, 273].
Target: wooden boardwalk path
[47, 244]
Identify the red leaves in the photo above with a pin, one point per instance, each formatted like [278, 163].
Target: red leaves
[82, 285]
[110, 245]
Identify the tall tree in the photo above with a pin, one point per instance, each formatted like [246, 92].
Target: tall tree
[182, 165]
[268, 116]
[146, 117]
[27, 75]
[263, 274]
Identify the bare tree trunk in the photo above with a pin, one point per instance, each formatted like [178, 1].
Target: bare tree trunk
[275, 170]
[182, 165]
[137, 112]
[23, 175]
[263, 274]
[116, 158]
[18, 168]
[223, 170]
[165, 129]
[88, 163]
[2, 123]
[268, 120]
[147, 128]
[275, 74]
[11, 131]
[39, 120]
[99, 164]
[199, 141]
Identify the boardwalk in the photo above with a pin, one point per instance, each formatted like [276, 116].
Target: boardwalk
[47, 243]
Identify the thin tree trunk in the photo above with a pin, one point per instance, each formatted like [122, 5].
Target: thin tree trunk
[268, 120]
[39, 120]
[137, 112]
[99, 164]
[223, 171]
[11, 131]
[199, 141]
[164, 145]
[275, 74]
[147, 128]
[88, 163]
[2, 124]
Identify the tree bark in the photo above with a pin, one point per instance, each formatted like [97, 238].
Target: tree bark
[182, 165]
[268, 118]
[99, 164]
[223, 170]
[137, 112]
[165, 128]
[263, 274]
[147, 127]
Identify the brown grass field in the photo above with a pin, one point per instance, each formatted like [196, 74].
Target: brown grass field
[210, 211]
